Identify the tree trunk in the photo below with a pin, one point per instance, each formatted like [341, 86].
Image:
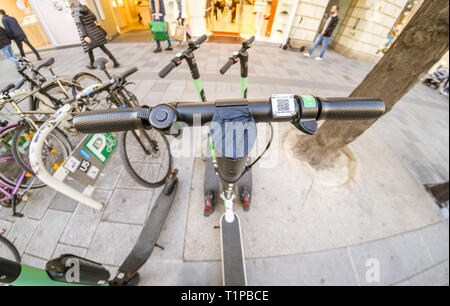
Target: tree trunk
[439, 191]
[422, 43]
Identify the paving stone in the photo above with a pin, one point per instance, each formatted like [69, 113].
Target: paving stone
[398, 258]
[177, 273]
[113, 242]
[39, 202]
[129, 206]
[436, 276]
[21, 233]
[62, 249]
[328, 268]
[436, 238]
[33, 261]
[84, 221]
[47, 235]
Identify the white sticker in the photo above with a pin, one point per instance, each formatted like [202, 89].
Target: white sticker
[93, 172]
[72, 164]
[283, 106]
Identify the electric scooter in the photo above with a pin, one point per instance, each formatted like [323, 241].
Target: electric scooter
[291, 36]
[232, 156]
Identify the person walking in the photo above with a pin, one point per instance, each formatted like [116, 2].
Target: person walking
[325, 35]
[5, 47]
[158, 14]
[92, 35]
[16, 33]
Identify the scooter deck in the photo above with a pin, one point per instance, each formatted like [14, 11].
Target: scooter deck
[150, 233]
[233, 262]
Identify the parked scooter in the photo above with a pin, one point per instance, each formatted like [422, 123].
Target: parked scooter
[288, 43]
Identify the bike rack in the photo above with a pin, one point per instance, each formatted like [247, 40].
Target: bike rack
[56, 181]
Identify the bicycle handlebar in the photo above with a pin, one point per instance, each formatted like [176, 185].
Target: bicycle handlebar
[163, 116]
[104, 86]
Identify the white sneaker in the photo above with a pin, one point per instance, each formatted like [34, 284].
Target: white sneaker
[306, 54]
[318, 58]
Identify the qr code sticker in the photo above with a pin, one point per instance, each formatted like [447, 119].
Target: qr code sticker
[283, 106]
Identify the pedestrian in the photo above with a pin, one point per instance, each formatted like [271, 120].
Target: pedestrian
[444, 90]
[5, 47]
[233, 6]
[182, 17]
[158, 14]
[325, 35]
[16, 33]
[92, 35]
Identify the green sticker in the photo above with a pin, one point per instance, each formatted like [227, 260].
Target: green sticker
[101, 145]
[309, 101]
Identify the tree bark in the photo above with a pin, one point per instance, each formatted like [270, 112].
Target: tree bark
[422, 43]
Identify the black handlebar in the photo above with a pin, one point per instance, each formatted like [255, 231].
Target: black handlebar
[166, 70]
[127, 73]
[241, 54]
[227, 66]
[104, 86]
[201, 40]
[116, 120]
[7, 88]
[178, 59]
[164, 115]
[350, 109]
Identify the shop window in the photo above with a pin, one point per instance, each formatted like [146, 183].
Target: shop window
[23, 12]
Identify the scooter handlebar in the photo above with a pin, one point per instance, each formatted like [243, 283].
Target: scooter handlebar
[166, 70]
[201, 40]
[114, 120]
[227, 66]
[350, 109]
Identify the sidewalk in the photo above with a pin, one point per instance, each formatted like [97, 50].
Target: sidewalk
[410, 242]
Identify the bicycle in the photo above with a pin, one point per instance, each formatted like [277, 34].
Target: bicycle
[52, 93]
[145, 155]
[60, 271]
[300, 110]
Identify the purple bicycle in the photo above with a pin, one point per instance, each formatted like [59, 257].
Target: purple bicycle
[14, 181]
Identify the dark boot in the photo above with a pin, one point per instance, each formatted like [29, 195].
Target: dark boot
[157, 50]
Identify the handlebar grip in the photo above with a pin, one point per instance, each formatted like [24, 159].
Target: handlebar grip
[201, 40]
[250, 40]
[227, 66]
[351, 109]
[114, 120]
[166, 70]
[127, 73]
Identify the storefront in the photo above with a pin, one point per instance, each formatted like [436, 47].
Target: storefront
[27, 18]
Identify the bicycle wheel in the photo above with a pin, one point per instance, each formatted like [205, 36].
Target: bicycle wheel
[146, 156]
[8, 250]
[10, 170]
[56, 150]
[85, 80]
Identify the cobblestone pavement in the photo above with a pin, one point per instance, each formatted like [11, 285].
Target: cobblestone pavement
[417, 131]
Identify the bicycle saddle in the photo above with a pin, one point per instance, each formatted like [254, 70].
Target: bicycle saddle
[7, 88]
[48, 63]
[101, 63]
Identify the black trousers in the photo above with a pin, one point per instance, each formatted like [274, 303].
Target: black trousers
[107, 52]
[19, 42]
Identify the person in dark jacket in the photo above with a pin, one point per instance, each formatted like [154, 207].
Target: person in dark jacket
[325, 35]
[92, 35]
[158, 13]
[14, 31]
[5, 47]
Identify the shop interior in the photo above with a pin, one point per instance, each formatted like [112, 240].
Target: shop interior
[23, 12]
[240, 17]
